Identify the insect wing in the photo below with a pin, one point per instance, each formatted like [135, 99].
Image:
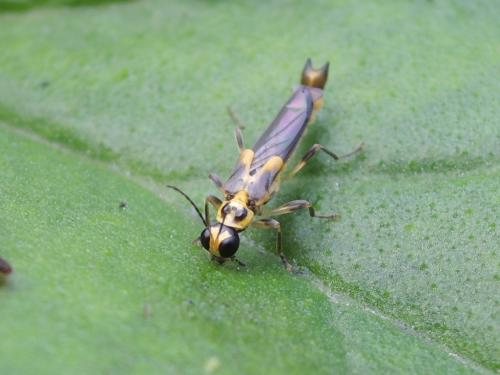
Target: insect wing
[279, 139]
[237, 180]
[284, 133]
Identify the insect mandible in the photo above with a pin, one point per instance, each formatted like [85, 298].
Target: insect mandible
[260, 170]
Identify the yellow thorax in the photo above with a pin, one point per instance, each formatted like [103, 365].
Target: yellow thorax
[235, 212]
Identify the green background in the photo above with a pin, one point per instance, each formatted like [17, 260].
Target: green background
[103, 102]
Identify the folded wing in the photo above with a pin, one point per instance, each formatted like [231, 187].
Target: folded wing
[284, 133]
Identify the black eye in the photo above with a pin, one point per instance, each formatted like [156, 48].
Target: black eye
[228, 247]
[205, 238]
[241, 214]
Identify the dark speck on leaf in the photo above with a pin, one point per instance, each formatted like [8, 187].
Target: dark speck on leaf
[44, 84]
[5, 267]
[123, 205]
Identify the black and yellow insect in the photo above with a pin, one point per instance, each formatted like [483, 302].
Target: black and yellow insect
[260, 170]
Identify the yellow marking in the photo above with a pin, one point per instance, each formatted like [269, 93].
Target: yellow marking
[298, 168]
[318, 104]
[214, 241]
[246, 157]
[230, 218]
[219, 211]
[241, 196]
[273, 164]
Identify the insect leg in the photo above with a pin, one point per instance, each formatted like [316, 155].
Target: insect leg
[239, 139]
[297, 205]
[223, 260]
[239, 128]
[217, 181]
[239, 262]
[315, 149]
[235, 118]
[215, 202]
[274, 224]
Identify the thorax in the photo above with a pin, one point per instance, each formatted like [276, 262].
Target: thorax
[236, 212]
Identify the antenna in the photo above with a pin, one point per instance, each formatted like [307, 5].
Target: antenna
[190, 201]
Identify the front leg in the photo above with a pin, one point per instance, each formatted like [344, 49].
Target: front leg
[239, 128]
[215, 202]
[221, 261]
[273, 224]
[239, 139]
[217, 181]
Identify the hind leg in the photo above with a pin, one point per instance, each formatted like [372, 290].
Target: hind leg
[317, 148]
[299, 204]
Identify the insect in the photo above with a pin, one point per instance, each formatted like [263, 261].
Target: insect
[259, 172]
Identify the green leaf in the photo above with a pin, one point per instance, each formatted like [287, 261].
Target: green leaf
[144, 86]
[99, 287]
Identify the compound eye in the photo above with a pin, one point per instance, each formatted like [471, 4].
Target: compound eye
[229, 246]
[205, 238]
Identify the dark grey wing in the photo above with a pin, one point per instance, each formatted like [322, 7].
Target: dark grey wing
[279, 139]
[236, 182]
[284, 133]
